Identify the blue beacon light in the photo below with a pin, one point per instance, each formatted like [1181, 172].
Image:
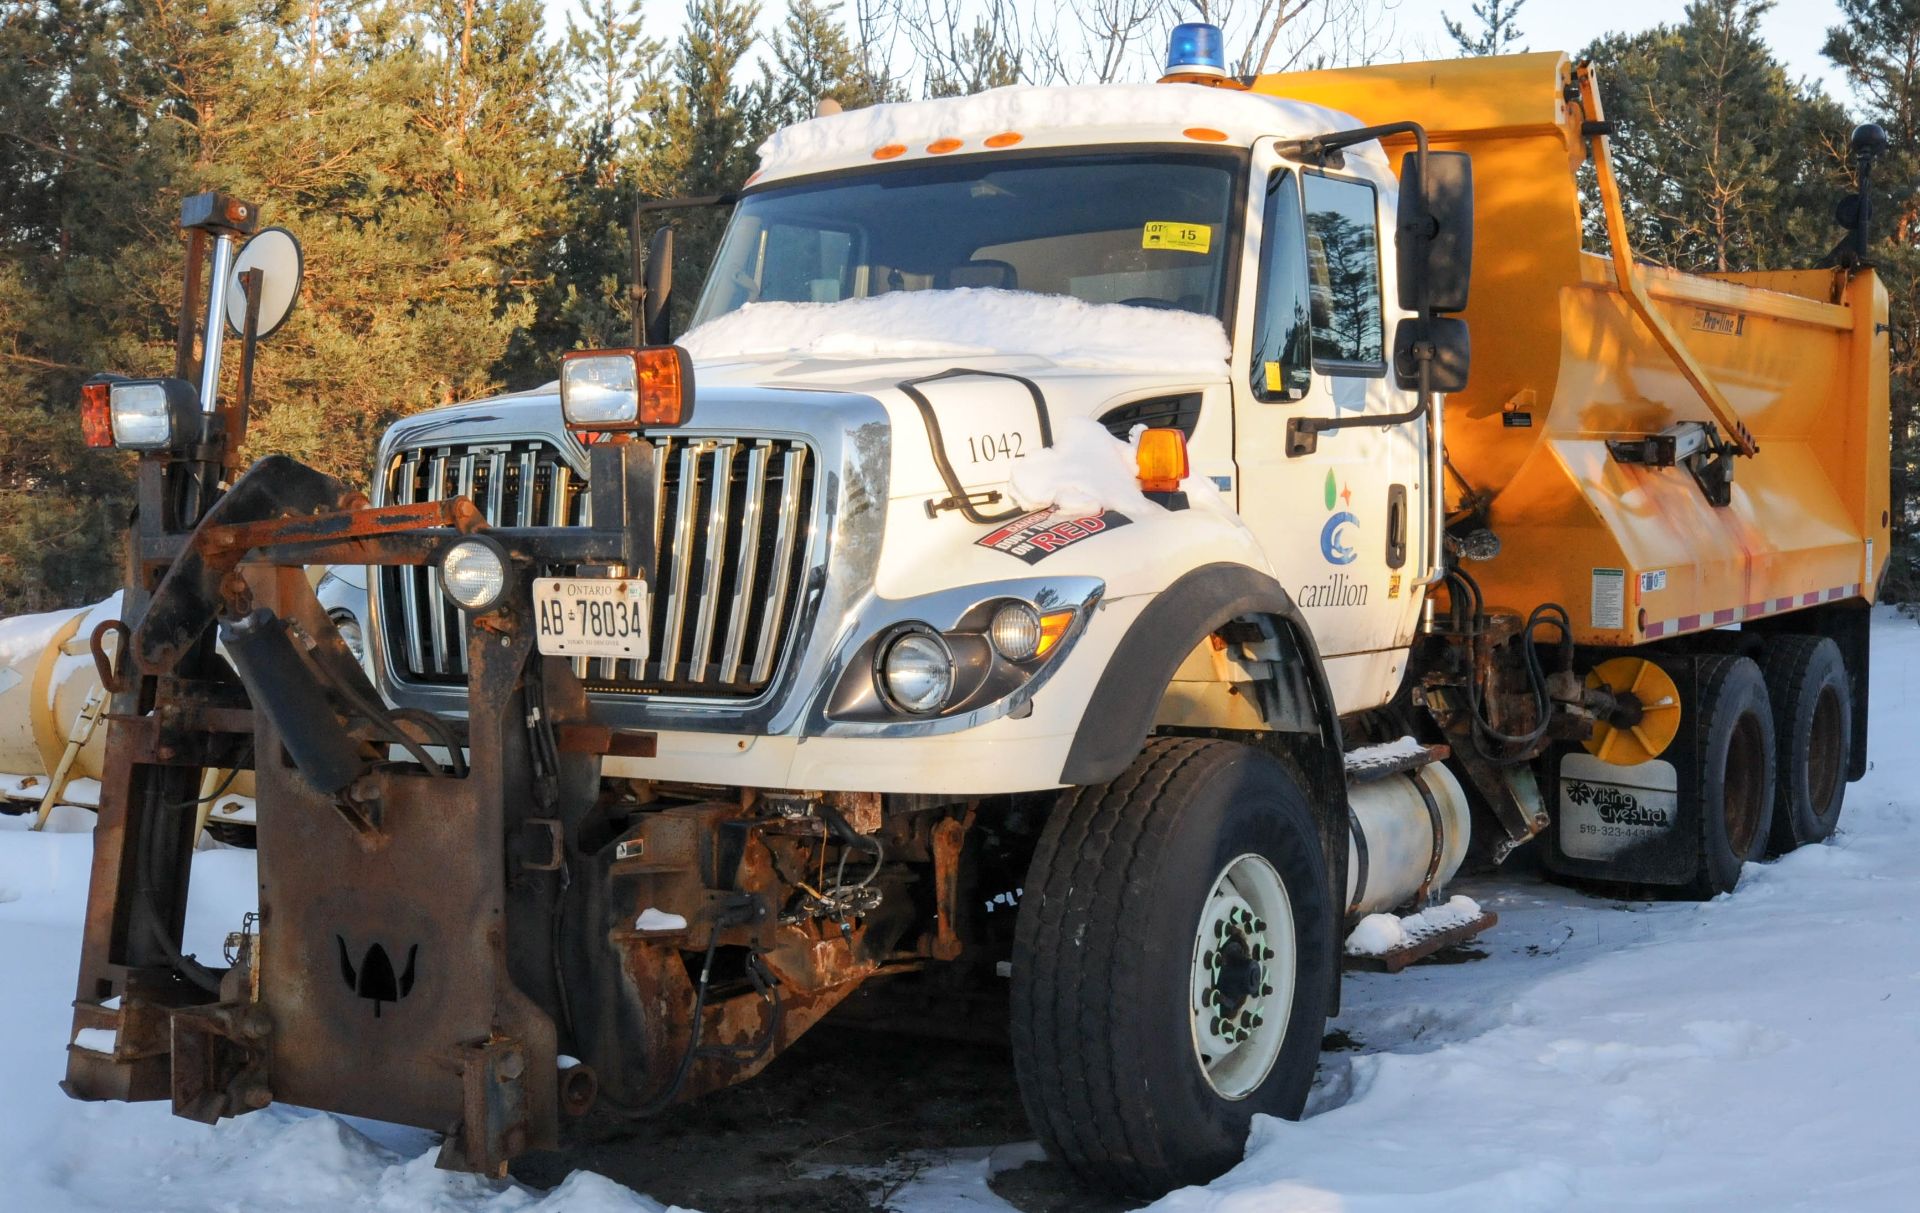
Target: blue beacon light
[1196, 49]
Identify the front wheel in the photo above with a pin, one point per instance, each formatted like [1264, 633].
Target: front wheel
[1172, 965]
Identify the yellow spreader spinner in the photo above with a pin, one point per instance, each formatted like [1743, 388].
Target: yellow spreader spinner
[1649, 718]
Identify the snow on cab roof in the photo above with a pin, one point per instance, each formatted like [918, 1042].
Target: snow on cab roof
[1052, 117]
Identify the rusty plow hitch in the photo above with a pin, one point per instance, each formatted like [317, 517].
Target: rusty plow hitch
[402, 963]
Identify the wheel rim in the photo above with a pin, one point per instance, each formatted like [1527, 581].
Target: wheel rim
[1823, 751]
[1742, 782]
[1244, 968]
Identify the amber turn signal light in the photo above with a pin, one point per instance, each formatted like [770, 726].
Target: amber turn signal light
[1053, 627]
[1161, 459]
[604, 391]
[96, 414]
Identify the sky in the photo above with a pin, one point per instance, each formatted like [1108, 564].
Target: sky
[1795, 29]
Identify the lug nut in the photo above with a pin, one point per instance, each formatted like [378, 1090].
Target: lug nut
[1216, 1026]
[1259, 924]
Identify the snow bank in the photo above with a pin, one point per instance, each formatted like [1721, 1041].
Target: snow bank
[1752, 1052]
[1086, 111]
[970, 323]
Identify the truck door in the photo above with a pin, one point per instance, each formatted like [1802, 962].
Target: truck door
[1342, 525]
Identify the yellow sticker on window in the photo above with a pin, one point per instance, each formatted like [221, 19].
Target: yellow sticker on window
[1185, 237]
[1274, 382]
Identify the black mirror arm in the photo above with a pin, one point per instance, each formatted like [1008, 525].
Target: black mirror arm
[637, 284]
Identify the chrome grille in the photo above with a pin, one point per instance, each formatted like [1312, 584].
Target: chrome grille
[733, 525]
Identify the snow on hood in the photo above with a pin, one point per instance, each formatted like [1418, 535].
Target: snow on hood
[1082, 109]
[970, 323]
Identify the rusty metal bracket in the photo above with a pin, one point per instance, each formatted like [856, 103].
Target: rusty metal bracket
[220, 1061]
[493, 1115]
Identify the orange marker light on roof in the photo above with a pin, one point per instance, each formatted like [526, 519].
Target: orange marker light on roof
[889, 151]
[1161, 459]
[941, 147]
[1205, 134]
[1004, 139]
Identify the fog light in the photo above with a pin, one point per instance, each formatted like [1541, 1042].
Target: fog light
[1015, 631]
[350, 634]
[917, 672]
[474, 573]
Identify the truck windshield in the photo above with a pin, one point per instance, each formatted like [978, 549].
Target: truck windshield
[1148, 229]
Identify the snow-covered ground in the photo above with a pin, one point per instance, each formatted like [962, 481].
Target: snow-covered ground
[1761, 1051]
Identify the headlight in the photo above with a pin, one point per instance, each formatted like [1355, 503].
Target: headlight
[474, 573]
[917, 671]
[140, 414]
[607, 390]
[350, 633]
[1015, 631]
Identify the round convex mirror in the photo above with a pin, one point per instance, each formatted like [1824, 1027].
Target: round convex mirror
[276, 254]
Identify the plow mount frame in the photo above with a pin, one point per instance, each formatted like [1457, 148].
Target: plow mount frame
[470, 1053]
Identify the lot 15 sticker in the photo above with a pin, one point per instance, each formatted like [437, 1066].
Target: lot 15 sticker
[1034, 537]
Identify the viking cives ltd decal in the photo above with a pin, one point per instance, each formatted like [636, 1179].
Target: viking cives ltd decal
[1034, 537]
[1607, 809]
[1617, 806]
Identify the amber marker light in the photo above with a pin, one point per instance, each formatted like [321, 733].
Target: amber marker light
[96, 414]
[889, 151]
[1161, 459]
[1205, 134]
[941, 147]
[1003, 139]
[1053, 627]
[608, 391]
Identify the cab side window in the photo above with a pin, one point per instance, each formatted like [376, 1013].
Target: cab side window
[1343, 267]
[1282, 332]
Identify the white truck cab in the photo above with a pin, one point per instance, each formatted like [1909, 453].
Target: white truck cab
[920, 301]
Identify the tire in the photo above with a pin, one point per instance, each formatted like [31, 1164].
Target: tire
[1108, 967]
[1733, 745]
[1813, 734]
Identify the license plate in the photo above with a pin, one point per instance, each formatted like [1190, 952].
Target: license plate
[591, 617]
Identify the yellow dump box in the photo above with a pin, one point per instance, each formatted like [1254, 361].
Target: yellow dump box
[1573, 350]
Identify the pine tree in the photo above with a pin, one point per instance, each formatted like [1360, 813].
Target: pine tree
[1498, 31]
[1878, 47]
[1725, 162]
[814, 60]
[714, 122]
[979, 61]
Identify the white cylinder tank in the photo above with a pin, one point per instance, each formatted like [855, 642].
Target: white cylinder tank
[1391, 849]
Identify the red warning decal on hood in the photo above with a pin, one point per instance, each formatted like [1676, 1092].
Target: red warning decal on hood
[1034, 537]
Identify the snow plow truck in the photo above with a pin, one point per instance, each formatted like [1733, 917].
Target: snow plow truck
[1099, 558]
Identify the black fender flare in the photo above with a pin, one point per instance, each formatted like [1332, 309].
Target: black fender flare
[1120, 712]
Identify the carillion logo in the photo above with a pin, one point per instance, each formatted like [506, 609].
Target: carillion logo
[1336, 536]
